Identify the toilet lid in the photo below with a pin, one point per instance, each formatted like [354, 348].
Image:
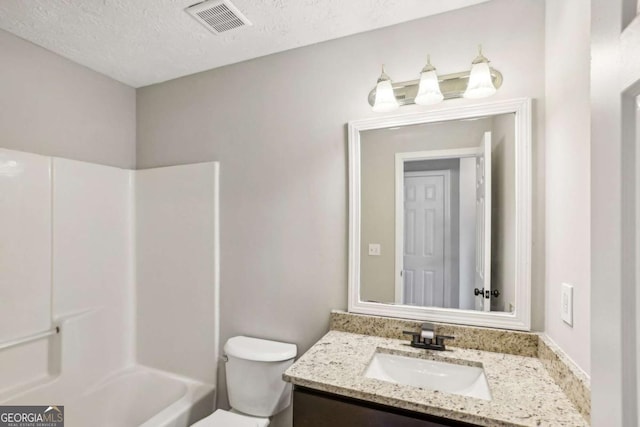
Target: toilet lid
[222, 418]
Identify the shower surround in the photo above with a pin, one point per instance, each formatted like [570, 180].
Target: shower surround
[125, 264]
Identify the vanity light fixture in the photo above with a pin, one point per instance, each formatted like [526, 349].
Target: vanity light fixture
[385, 99]
[479, 82]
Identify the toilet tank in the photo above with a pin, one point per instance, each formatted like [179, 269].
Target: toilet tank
[254, 375]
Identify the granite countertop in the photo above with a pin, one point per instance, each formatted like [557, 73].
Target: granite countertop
[523, 393]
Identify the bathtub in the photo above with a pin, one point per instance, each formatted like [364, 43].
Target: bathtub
[135, 397]
[97, 386]
[142, 397]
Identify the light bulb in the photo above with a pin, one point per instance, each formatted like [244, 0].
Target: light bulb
[385, 97]
[480, 81]
[429, 86]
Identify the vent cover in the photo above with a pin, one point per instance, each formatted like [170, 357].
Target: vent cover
[218, 16]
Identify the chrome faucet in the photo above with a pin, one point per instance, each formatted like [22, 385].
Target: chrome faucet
[427, 338]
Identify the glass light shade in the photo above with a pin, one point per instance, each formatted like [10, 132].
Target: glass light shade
[480, 82]
[385, 98]
[428, 89]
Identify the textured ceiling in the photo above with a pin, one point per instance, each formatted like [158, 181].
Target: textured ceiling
[141, 42]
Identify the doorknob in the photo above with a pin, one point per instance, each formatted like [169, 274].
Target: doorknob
[487, 294]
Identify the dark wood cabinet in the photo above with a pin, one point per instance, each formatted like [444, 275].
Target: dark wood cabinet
[313, 408]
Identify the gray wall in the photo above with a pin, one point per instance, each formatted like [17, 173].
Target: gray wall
[568, 171]
[277, 125]
[175, 248]
[55, 107]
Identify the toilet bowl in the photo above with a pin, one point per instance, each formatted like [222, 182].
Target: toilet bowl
[254, 369]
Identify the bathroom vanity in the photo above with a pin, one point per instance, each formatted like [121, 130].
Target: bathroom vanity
[334, 385]
[318, 409]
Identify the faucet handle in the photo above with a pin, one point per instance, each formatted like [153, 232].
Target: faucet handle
[415, 336]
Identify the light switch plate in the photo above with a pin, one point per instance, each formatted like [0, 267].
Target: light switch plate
[566, 304]
[374, 249]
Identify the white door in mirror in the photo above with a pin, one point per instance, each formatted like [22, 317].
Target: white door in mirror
[426, 234]
[483, 224]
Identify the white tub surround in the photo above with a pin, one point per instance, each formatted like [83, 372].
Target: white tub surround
[72, 264]
[25, 263]
[93, 266]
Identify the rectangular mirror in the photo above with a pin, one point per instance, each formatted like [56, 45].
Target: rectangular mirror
[440, 208]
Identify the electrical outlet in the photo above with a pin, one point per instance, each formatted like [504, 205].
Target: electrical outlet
[374, 249]
[566, 304]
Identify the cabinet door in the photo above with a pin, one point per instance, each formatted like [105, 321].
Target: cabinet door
[317, 409]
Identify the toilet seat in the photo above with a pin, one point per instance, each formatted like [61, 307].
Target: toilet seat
[222, 418]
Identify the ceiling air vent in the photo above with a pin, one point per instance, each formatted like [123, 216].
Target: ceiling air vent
[218, 16]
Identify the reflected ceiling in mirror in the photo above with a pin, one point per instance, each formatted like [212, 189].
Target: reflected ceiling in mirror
[440, 215]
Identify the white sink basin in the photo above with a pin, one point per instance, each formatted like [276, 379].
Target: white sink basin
[448, 377]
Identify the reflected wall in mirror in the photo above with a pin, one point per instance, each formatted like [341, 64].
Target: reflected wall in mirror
[438, 200]
[440, 208]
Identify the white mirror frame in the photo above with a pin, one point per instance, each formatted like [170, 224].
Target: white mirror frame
[520, 319]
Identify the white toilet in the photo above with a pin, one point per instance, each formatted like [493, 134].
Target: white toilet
[254, 382]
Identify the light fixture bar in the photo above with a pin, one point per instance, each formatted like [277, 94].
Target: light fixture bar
[452, 86]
